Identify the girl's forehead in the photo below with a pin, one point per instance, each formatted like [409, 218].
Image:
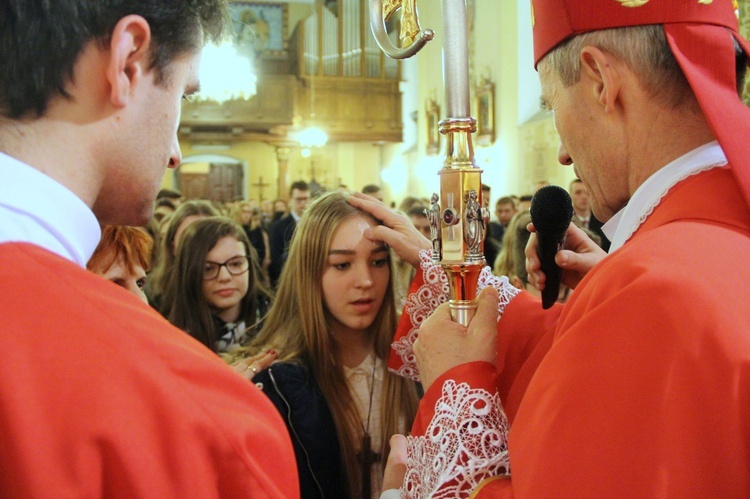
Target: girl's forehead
[351, 233]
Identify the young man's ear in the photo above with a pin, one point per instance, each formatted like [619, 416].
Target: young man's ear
[128, 57]
[599, 72]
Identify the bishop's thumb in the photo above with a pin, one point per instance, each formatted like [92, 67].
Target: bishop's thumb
[487, 305]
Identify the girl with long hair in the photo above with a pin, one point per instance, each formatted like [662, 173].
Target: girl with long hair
[219, 298]
[160, 287]
[331, 325]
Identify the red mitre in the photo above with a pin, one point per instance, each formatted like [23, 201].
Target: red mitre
[700, 35]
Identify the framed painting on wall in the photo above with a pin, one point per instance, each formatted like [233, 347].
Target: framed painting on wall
[485, 104]
[432, 113]
[261, 28]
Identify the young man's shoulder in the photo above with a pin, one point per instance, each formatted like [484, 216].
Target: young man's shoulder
[95, 362]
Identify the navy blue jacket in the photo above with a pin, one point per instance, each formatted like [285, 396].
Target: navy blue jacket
[295, 393]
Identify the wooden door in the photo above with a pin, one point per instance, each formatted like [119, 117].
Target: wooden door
[225, 182]
[194, 185]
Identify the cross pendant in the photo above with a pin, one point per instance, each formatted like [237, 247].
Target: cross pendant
[367, 458]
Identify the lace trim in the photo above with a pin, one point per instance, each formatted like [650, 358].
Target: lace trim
[646, 212]
[465, 443]
[428, 297]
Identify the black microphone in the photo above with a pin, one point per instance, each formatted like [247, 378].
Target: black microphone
[551, 211]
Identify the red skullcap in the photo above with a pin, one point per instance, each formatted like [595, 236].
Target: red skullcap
[699, 33]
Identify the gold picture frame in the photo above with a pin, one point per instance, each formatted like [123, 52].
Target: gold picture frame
[432, 113]
[261, 28]
[485, 111]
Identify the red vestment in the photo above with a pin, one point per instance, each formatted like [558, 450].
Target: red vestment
[640, 385]
[100, 396]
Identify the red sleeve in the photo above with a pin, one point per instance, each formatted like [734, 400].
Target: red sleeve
[448, 410]
[524, 335]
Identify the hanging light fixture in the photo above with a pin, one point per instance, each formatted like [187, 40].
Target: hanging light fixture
[225, 74]
[312, 136]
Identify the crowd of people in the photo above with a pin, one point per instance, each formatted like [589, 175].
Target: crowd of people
[316, 343]
[187, 348]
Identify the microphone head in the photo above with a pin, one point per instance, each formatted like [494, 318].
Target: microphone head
[551, 209]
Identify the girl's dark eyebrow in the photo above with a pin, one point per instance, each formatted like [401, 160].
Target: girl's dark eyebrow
[379, 249]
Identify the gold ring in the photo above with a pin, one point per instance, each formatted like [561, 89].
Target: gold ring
[253, 369]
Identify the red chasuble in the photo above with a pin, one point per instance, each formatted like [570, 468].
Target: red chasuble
[640, 385]
[101, 397]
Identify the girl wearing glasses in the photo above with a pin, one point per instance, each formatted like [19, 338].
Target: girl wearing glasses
[218, 297]
[331, 324]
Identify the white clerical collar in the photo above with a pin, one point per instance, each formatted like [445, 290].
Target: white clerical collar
[648, 196]
[41, 211]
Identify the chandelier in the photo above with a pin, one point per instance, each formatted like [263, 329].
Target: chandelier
[226, 74]
[312, 136]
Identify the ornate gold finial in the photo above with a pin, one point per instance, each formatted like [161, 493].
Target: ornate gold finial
[411, 36]
[409, 21]
[633, 3]
[533, 19]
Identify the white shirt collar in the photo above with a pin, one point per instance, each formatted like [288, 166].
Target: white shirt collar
[366, 366]
[648, 196]
[39, 210]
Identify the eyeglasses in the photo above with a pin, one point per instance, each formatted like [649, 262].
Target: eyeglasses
[235, 266]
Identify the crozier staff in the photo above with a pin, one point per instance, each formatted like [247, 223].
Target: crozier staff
[646, 362]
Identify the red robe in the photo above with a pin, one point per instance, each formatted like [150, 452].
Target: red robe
[100, 396]
[640, 385]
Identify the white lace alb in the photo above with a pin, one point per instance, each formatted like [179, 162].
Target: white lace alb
[465, 443]
[428, 297]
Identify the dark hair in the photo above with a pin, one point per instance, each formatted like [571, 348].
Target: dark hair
[300, 185]
[168, 194]
[41, 40]
[416, 211]
[160, 284]
[409, 202]
[165, 202]
[505, 200]
[371, 189]
[189, 310]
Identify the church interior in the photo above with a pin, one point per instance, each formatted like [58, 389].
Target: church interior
[314, 67]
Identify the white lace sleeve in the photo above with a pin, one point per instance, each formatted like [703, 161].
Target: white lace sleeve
[465, 443]
[428, 297]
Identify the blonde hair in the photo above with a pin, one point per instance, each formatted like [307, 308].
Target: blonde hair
[511, 261]
[235, 213]
[297, 328]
